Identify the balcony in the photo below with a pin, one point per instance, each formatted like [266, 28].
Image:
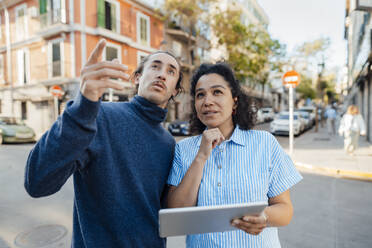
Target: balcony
[180, 32]
[52, 23]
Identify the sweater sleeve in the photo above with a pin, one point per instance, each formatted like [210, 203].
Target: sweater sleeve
[63, 149]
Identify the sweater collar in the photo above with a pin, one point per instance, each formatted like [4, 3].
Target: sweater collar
[150, 111]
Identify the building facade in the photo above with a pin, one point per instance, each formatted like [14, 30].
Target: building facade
[358, 28]
[47, 42]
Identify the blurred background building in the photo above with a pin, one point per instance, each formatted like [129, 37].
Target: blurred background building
[46, 42]
[358, 87]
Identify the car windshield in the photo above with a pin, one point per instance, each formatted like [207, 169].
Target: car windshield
[286, 117]
[307, 110]
[10, 121]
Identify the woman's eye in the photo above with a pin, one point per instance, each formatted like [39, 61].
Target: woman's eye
[171, 72]
[199, 95]
[217, 92]
[154, 66]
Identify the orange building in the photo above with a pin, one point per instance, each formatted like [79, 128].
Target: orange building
[46, 42]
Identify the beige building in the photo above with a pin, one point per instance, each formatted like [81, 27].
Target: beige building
[46, 42]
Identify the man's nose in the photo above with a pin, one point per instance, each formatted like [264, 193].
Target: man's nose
[162, 74]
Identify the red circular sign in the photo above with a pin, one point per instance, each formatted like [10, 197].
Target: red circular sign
[291, 77]
[56, 90]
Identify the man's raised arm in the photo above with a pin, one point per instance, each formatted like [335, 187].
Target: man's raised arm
[63, 149]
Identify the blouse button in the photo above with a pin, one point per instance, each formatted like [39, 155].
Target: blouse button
[219, 184]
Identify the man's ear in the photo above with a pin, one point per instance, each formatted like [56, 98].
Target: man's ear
[137, 78]
[175, 92]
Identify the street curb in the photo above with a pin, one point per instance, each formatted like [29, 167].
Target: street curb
[357, 175]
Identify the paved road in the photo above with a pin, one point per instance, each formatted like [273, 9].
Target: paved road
[329, 212]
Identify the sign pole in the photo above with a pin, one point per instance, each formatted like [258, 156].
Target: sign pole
[290, 119]
[291, 80]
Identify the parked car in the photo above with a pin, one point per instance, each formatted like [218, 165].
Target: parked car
[280, 125]
[310, 110]
[268, 114]
[260, 117]
[179, 128]
[14, 130]
[306, 117]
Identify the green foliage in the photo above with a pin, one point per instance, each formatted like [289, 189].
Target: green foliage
[250, 49]
[305, 88]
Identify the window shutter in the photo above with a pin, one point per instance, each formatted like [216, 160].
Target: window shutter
[42, 6]
[101, 13]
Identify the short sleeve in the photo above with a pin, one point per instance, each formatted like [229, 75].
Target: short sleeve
[177, 172]
[283, 173]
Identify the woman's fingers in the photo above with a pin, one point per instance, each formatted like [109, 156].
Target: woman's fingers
[250, 224]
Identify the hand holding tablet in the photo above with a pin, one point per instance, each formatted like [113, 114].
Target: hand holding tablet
[192, 220]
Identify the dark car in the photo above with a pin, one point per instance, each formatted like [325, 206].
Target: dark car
[179, 128]
[14, 130]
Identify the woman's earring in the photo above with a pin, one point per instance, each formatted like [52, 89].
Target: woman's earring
[234, 112]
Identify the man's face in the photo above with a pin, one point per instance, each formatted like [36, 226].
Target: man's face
[158, 80]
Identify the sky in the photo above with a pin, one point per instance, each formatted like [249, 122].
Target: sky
[294, 22]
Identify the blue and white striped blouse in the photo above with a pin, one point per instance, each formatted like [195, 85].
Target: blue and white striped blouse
[251, 166]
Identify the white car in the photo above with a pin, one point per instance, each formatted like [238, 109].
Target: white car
[268, 114]
[260, 117]
[281, 124]
[310, 110]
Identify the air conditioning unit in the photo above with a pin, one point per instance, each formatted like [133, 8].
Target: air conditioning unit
[33, 12]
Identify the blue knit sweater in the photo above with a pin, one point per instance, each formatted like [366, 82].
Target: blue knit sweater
[120, 157]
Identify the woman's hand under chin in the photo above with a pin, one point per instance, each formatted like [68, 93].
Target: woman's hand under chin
[210, 139]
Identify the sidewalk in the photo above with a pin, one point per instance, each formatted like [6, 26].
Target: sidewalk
[318, 152]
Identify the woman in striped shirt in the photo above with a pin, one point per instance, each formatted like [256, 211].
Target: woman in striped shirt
[228, 163]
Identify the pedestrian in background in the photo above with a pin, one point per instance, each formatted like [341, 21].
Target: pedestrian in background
[331, 115]
[229, 163]
[117, 152]
[351, 126]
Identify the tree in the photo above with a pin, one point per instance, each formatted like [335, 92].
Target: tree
[189, 13]
[314, 53]
[305, 88]
[250, 50]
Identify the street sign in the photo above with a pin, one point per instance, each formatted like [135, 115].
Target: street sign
[291, 78]
[56, 90]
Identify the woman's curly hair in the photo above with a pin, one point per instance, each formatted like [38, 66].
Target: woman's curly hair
[246, 111]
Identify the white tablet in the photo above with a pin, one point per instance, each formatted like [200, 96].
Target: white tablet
[192, 220]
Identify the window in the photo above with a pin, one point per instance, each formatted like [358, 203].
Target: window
[109, 15]
[21, 22]
[24, 110]
[23, 66]
[56, 59]
[141, 56]
[177, 48]
[112, 51]
[143, 29]
[51, 12]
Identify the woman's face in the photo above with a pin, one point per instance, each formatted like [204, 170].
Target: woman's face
[214, 103]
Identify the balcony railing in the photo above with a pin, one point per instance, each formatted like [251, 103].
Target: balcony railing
[51, 17]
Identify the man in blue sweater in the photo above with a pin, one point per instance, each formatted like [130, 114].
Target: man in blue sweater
[118, 153]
